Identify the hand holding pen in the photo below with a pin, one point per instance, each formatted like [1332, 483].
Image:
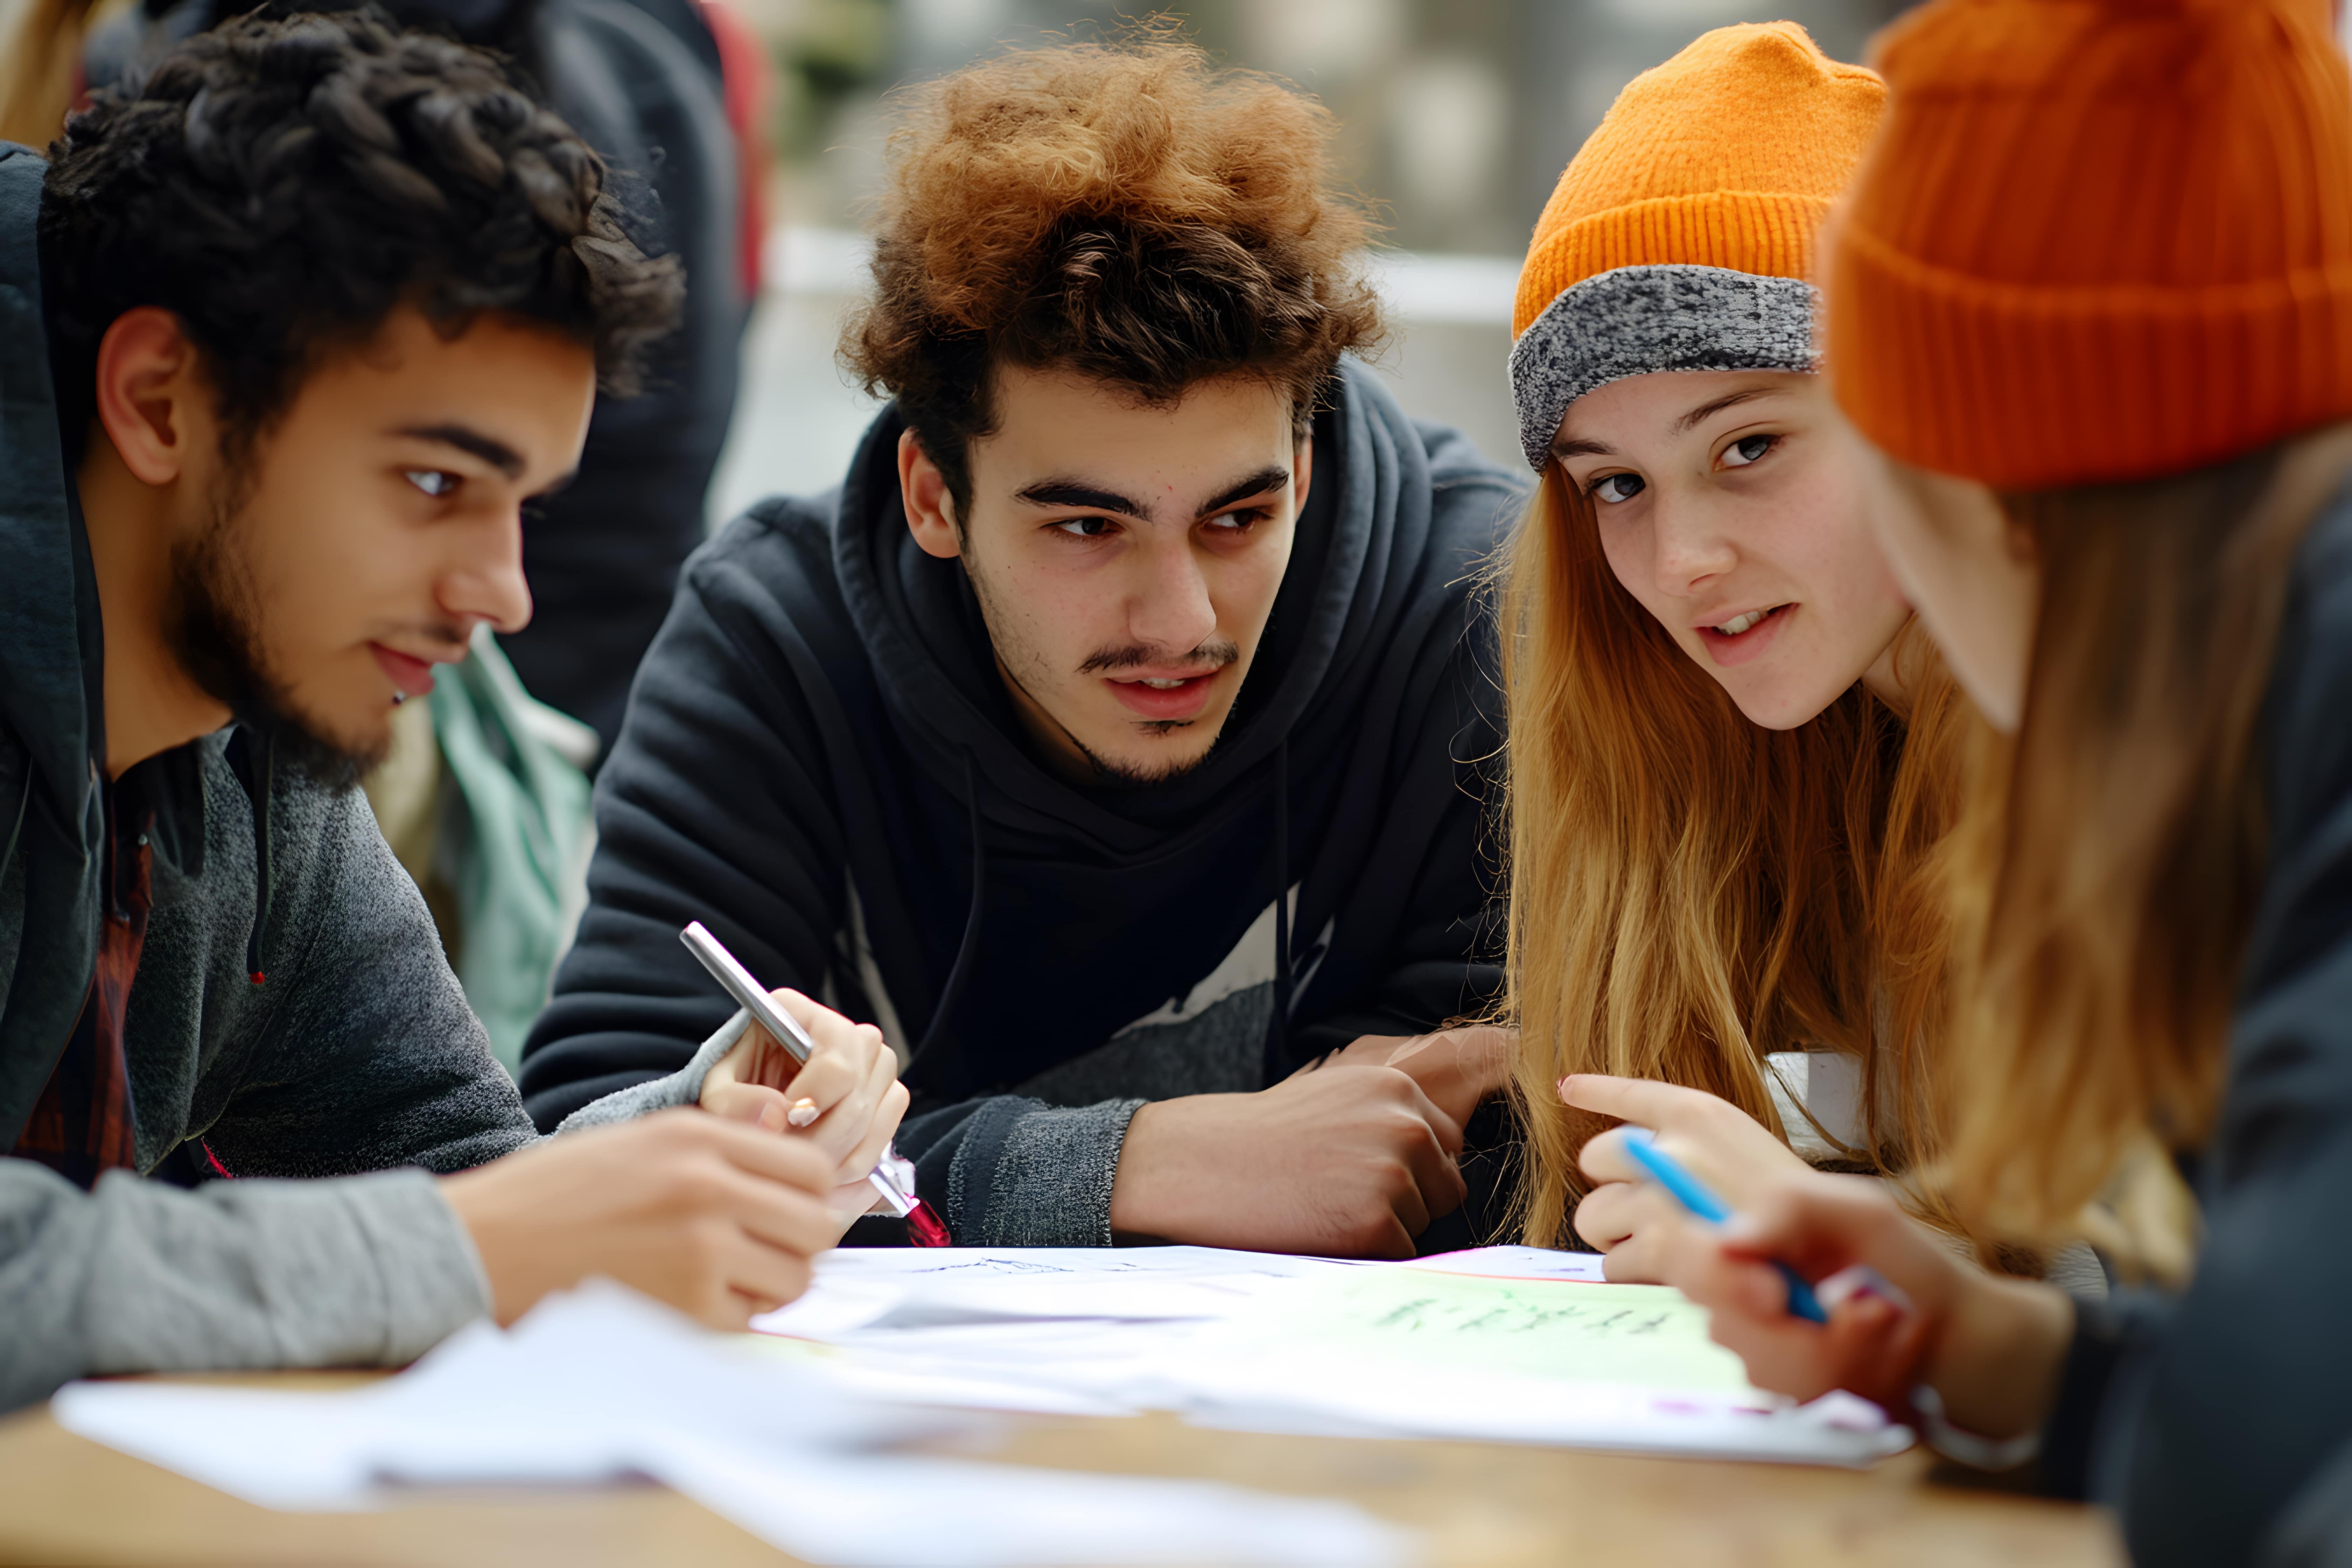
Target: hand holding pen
[1647, 1194]
[844, 1098]
[1909, 1321]
[1724, 1147]
[892, 1178]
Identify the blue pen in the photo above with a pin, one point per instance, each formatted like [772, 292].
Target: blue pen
[1693, 1195]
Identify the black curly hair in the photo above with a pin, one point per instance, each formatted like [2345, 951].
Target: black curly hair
[283, 185]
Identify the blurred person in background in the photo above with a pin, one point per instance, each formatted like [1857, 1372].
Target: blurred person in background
[294, 331]
[1113, 737]
[40, 68]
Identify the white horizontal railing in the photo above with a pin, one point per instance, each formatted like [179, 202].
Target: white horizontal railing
[1418, 286]
[797, 420]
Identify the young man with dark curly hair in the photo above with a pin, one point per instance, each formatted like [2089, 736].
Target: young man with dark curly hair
[293, 332]
[1113, 737]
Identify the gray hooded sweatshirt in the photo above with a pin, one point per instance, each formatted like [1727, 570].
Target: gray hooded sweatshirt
[355, 1059]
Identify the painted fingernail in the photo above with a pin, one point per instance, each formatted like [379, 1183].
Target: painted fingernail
[802, 1112]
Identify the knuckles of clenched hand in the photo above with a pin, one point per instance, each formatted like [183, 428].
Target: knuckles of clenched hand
[1349, 1161]
[1360, 1229]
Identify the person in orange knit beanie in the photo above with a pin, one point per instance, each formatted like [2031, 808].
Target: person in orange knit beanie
[1730, 751]
[2092, 300]
[1681, 237]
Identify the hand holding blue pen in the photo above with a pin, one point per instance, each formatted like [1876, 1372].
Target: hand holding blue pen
[1694, 1195]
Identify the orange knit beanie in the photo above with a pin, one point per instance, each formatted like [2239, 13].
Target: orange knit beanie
[1681, 236]
[2099, 239]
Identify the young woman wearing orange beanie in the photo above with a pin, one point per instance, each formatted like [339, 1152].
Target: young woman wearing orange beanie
[2093, 300]
[1731, 755]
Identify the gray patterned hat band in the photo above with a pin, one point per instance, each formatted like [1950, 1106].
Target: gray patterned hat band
[1637, 319]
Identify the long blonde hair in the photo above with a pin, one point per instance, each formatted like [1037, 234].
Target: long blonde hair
[1690, 891]
[2109, 857]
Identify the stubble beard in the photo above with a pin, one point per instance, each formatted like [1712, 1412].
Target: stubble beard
[1025, 668]
[214, 625]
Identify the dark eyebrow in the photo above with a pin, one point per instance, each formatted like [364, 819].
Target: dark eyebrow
[466, 438]
[1690, 421]
[1077, 493]
[1573, 448]
[1267, 479]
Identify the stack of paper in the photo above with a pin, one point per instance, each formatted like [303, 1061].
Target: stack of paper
[1505, 1344]
[1059, 1330]
[600, 1383]
[1502, 1343]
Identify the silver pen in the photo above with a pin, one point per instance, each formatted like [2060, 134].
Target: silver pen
[894, 1176]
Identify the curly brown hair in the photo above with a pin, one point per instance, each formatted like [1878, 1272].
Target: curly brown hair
[1125, 212]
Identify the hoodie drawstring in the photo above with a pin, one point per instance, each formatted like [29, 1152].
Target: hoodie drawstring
[960, 970]
[261, 799]
[1277, 1040]
[24, 798]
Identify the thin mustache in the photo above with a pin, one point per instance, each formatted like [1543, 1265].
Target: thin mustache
[1210, 656]
[441, 638]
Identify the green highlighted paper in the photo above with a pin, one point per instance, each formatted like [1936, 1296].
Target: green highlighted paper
[1643, 1335]
[1501, 1344]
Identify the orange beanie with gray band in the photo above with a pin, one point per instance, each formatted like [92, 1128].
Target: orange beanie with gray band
[1681, 237]
[2098, 240]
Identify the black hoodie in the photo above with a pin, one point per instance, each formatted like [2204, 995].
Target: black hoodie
[820, 762]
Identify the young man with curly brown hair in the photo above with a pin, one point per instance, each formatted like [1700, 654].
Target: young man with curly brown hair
[294, 330]
[1112, 738]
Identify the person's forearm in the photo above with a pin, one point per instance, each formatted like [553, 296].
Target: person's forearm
[139, 1277]
[1996, 1366]
[1155, 1192]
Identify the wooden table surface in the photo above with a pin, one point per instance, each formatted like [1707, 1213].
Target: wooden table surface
[65, 1500]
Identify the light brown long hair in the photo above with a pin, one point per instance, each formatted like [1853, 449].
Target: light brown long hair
[1690, 891]
[2109, 857]
[41, 53]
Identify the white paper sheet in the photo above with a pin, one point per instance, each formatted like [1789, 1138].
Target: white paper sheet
[1513, 1263]
[1263, 1342]
[895, 1289]
[598, 1383]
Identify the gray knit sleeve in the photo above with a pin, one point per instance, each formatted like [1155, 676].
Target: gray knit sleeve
[683, 1086]
[1025, 1173]
[137, 1276]
[1022, 1173]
